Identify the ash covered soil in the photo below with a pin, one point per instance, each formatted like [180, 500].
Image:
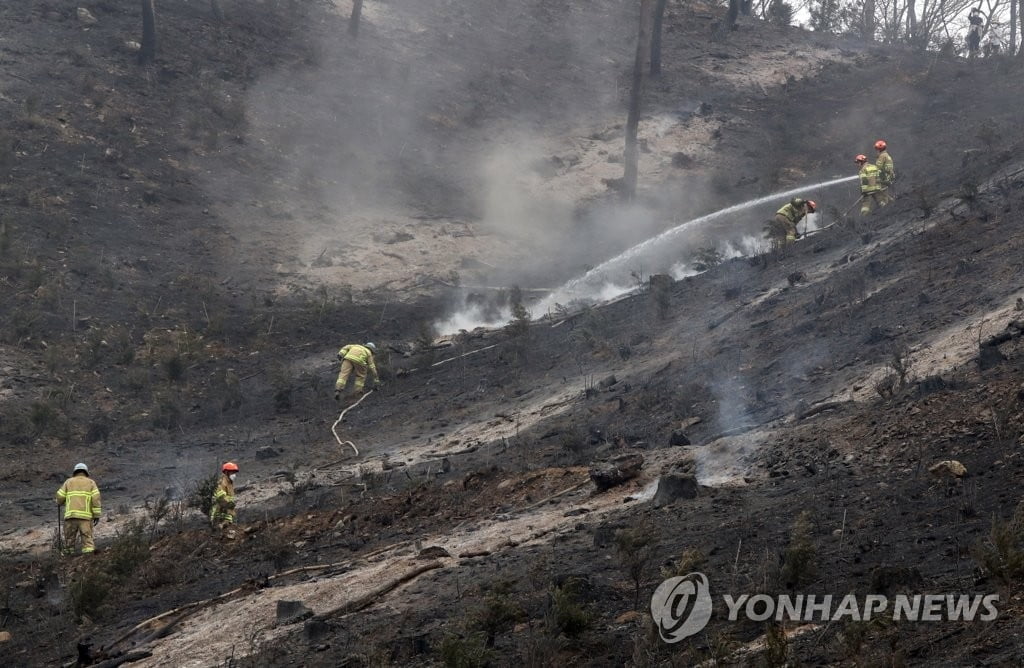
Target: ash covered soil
[185, 246]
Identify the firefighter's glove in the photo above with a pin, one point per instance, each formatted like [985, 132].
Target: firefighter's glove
[95, 521]
[337, 395]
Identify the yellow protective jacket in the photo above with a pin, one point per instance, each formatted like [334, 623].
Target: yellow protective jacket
[793, 213]
[223, 507]
[869, 179]
[360, 355]
[885, 166]
[80, 497]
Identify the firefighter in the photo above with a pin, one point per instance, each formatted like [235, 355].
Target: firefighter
[871, 191]
[783, 228]
[359, 359]
[222, 508]
[81, 500]
[884, 164]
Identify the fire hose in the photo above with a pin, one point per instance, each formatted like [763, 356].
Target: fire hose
[341, 417]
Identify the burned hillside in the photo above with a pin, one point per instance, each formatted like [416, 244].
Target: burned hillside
[185, 246]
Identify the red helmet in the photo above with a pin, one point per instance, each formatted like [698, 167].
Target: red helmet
[861, 159]
[811, 206]
[880, 145]
[229, 467]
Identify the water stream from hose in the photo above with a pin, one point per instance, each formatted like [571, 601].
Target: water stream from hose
[595, 284]
[601, 283]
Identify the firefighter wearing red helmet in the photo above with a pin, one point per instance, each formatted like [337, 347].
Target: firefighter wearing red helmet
[782, 229]
[222, 508]
[884, 164]
[872, 193]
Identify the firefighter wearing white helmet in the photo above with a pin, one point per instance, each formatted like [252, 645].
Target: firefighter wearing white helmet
[81, 500]
[358, 359]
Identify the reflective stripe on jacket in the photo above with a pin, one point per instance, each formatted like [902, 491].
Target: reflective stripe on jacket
[869, 179]
[80, 497]
[886, 167]
[793, 214]
[223, 506]
[358, 354]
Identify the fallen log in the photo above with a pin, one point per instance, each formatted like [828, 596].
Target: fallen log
[554, 496]
[821, 408]
[369, 599]
[196, 606]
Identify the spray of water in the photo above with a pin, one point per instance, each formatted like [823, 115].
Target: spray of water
[585, 286]
[609, 279]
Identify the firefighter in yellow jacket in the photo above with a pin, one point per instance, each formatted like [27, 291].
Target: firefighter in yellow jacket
[872, 193]
[81, 500]
[358, 359]
[783, 228]
[222, 508]
[885, 165]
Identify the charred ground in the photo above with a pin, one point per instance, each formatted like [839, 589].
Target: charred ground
[144, 330]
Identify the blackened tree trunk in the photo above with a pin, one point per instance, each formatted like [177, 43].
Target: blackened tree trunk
[632, 153]
[216, 10]
[353, 21]
[731, 16]
[1020, 24]
[1013, 27]
[147, 54]
[869, 20]
[911, 24]
[659, 17]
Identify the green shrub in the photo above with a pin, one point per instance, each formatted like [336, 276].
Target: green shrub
[200, 495]
[42, 415]
[520, 325]
[129, 550]
[1001, 553]
[798, 566]
[174, 366]
[468, 652]
[88, 591]
[498, 614]
[568, 614]
[634, 547]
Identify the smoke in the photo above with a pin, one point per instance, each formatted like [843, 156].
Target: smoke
[440, 112]
[726, 460]
[659, 253]
[472, 317]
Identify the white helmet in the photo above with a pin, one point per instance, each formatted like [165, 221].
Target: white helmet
[371, 347]
[81, 467]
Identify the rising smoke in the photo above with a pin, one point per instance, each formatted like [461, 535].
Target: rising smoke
[438, 123]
